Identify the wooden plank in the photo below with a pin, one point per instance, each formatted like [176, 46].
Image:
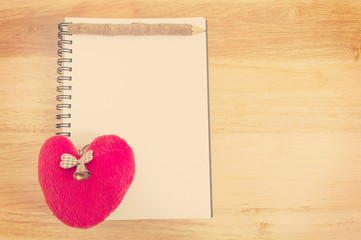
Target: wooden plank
[285, 117]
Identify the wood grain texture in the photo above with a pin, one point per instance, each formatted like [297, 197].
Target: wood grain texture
[285, 96]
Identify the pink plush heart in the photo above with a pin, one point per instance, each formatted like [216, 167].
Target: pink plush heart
[85, 203]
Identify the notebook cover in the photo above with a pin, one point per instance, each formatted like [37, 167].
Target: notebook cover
[153, 92]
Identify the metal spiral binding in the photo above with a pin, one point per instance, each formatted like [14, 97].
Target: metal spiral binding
[62, 70]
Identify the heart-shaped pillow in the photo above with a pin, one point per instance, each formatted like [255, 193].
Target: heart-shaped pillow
[85, 203]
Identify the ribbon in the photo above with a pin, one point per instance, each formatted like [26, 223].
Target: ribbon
[69, 161]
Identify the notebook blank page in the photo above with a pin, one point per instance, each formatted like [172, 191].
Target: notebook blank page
[152, 92]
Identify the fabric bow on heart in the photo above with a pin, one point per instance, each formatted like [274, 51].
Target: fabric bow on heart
[69, 161]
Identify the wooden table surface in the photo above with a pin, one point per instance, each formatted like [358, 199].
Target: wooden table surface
[285, 95]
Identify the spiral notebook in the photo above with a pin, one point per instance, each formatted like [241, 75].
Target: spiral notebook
[151, 91]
